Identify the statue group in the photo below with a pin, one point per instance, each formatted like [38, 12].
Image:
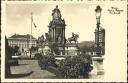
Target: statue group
[47, 38]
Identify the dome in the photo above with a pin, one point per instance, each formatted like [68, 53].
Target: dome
[57, 22]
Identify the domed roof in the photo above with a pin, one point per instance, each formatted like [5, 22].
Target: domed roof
[57, 22]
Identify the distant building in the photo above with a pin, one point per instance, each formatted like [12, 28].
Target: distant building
[22, 41]
[101, 39]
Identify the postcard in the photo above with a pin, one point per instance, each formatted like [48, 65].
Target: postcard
[64, 41]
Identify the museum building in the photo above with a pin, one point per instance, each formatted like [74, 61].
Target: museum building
[22, 41]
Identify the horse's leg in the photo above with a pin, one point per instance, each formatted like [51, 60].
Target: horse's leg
[75, 41]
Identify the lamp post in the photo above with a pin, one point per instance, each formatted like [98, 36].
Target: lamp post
[98, 15]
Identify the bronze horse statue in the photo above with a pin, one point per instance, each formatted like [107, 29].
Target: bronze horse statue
[73, 38]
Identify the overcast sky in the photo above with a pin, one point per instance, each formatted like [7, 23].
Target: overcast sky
[79, 18]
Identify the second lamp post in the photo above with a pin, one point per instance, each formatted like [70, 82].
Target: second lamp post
[98, 15]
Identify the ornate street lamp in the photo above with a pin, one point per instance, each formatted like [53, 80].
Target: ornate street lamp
[98, 15]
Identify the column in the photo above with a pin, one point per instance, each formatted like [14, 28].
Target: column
[62, 34]
[52, 33]
[55, 34]
[64, 39]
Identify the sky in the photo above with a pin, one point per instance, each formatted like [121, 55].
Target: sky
[79, 18]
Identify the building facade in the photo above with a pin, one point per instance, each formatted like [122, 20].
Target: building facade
[101, 39]
[22, 41]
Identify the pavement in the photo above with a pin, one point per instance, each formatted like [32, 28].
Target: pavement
[30, 69]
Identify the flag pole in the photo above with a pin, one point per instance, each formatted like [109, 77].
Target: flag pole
[31, 35]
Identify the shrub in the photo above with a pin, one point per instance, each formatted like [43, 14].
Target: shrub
[38, 56]
[75, 66]
[46, 60]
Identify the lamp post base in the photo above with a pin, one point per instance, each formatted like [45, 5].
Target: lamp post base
[97, 66]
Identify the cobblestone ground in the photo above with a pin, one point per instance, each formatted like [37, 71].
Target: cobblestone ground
[30, 69]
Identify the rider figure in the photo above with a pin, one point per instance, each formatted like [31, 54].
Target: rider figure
[73, 34]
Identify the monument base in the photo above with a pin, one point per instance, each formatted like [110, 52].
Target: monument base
[46, 49]
[71, 49]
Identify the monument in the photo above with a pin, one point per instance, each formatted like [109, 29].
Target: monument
[57, 27]
[56, 41]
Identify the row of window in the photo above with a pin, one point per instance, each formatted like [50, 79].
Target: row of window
[22, 45]
[20, 42]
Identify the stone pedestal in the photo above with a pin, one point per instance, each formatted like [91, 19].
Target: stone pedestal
[67, 49]
[97, 66]
[46, 49]
[71, 49]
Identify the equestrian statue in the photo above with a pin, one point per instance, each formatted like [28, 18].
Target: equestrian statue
[73, 38]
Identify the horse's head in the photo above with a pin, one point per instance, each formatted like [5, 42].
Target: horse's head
[76, 35]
